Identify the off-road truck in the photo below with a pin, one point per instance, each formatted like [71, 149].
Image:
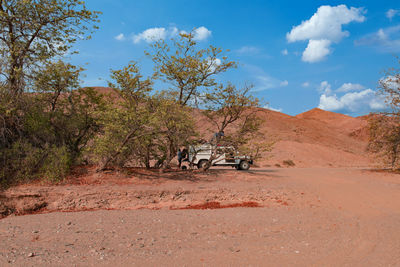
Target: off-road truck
[225, 156]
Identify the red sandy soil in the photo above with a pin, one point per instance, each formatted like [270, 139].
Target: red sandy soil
[317, 138]
[330, 209]
[306, 216]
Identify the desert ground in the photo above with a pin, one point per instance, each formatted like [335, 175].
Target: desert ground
[330, 207]
[261, 217]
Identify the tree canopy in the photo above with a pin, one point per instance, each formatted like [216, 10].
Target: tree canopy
[35, 31]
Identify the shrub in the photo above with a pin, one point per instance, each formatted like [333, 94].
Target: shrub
[56, 164]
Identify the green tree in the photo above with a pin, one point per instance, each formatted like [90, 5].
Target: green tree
[34, 31]
[234, 111]
[67, 115]
[186, 67]
[46, 119]
[125, 119]
[140, 128]
[175, 125]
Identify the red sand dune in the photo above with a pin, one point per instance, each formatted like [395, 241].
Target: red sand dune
[317, 138]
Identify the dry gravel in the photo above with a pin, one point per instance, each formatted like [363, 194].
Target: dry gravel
[331, 217]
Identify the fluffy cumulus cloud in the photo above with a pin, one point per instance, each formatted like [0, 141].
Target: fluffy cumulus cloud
[201, 33]
[150, 35]
[355, 100]
[392, 13]
[160, 33]
[316, 50]
[323, 29]
[285, 52]
[385, 40]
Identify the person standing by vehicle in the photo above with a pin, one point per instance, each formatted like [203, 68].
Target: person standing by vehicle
[217, 137]
[182, 156]
[179, 158]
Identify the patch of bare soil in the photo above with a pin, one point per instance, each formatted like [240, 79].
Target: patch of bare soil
[275, 217]
[137, 188]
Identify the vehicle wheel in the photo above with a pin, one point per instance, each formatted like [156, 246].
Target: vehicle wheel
[244, 165]
[202, 164]
[184, 168]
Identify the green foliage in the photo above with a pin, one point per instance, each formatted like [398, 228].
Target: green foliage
[139, 128]
[126, 118]
[46, 132]
[187, 67]
[24, 162]
[175, 125]
[45, 119]
[19, 161]
[235, 111]
[56, 165]
[64, 114]
[226, 105]
[34, 31]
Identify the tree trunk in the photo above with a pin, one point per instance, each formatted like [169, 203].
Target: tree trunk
[147, 158]
[113, 156]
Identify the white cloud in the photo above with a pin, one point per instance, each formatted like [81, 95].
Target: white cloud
[160, 33]
[323, 29]
[150, 35]
[120, 37]
[285, 52]
[386, 40]
[284, 83]
[325, 88]
[316, 50]
[201, 33]
[305, 84]
[273, 109]
[349, 87]
[326, 23]
[392, 13]
[364, 100]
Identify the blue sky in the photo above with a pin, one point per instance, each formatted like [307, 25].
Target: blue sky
[298, 54]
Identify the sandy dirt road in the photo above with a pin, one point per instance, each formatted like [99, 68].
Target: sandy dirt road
[308, 217]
